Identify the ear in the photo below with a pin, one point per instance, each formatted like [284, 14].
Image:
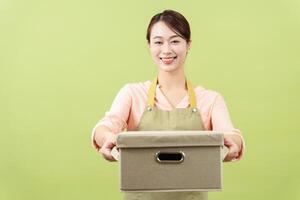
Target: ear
[189, 44]
[148, 44]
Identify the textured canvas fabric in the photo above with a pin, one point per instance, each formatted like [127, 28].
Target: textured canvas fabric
[200, 170]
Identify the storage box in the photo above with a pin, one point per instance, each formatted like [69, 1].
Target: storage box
[170, 160]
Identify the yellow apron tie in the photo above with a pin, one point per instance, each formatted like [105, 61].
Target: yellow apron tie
[151, 93]
[192, 96]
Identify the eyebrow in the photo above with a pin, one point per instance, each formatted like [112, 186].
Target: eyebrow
[170, 37]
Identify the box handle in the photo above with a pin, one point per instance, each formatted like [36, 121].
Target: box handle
[169, 157]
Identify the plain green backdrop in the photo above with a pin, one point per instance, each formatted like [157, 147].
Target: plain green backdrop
[62, 63]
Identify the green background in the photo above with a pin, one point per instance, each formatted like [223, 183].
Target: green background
[62, 63]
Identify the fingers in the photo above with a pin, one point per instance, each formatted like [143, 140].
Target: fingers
[233, 150]
[106, 151]
[233, 153]
[106, 148]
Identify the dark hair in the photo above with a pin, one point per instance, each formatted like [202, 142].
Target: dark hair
[175, 21]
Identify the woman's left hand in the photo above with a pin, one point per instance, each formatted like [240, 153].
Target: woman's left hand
[232, 142]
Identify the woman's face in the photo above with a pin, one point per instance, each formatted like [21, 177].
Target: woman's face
[168, 50]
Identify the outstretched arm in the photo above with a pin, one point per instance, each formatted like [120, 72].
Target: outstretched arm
[221, 121]
[115, 120]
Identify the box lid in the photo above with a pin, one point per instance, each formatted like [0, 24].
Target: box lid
[144, 139]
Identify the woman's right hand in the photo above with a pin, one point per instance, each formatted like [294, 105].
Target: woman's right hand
[108, 145]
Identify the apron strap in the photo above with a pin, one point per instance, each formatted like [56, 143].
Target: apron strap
[192, 96]
[151, 93]
[152, 90]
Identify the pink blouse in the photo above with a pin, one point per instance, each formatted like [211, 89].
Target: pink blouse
[131, 101]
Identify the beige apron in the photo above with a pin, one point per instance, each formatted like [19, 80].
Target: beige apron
[160, 120]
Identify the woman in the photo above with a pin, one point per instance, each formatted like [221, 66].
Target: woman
[169, 102]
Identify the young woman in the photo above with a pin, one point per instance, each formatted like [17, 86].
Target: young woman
[169, 102]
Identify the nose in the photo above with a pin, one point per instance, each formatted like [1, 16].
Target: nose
[166, 48]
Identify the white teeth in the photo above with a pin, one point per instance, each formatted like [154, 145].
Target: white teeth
[169, 58]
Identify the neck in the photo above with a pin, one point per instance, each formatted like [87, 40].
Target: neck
[169, 81]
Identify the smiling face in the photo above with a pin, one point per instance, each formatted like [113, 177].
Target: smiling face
[167, 48]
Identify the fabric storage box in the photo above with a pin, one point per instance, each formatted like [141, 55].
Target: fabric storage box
[170, 160]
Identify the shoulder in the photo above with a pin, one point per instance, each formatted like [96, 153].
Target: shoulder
[136, 88]
[139, 86]
[202, 92]
[207, 97]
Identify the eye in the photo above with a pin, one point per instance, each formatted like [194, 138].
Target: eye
[157, 42]
[175, 41]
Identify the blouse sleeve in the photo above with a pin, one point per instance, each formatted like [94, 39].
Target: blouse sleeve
[116, 118]
[221, 121]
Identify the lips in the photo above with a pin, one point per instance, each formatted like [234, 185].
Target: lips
[168, 60]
